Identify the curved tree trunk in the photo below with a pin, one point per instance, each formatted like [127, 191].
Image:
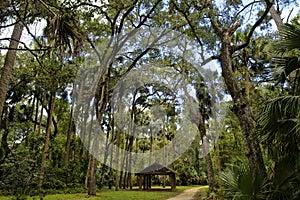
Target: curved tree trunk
[9, 62]
[241, 108]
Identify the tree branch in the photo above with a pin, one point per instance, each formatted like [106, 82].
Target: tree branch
[125, 15]
[23, 43]
[9, 25]
[94, 6]
[189, 22]
[233, 28]
[214, 21]
[148, 14]
[244, 8]
[257, 23]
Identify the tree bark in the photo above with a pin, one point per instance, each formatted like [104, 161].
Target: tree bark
[87, 176]
[92, 177]
[117, 160]
[205, 148]
[9, 62]
[68, 148]
[47, 139]
[4, 143]
[100, 104]
[276, 17]
[71, 132]
[209, 166]
[241, 108]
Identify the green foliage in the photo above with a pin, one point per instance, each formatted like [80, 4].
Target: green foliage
[19, 173]
[280, 118]
[229, 150]
[279, 121]
[289, 58]
[190, 167]
[285, 179]
[240, 183]
[290, 37]
[56, 55]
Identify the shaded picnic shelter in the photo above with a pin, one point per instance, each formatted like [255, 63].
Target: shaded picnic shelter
[144, 176]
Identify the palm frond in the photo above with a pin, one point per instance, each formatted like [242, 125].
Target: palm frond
[290, 37]
[279, 111]
[284, 66]
[284, 179]
[229, 180]
[243, 184]
[63, 31]
[278, 123]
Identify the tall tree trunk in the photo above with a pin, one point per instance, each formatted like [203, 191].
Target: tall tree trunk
[68, 148]
[36, 96]
[130, 160]
[92, 171]
[71, 132]
[205, 148]
[106, 153]
[241, 108]
[92, 177]
[87, 176]
[112, 141]
[4, 143]
[118, 171]
[209, 165]
[47, 139]
[9, 62]
[117, 159]
[100, 104]
[41, 116]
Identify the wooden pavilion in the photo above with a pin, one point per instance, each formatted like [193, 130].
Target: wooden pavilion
[144, 176]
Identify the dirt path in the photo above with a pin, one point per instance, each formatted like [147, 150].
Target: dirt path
[188, 194]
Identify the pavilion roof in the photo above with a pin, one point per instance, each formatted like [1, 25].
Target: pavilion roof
[157, 169]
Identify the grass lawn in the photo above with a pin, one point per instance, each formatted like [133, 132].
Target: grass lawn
[115, 195]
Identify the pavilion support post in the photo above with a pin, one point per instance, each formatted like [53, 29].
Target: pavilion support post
[149, 181]
[144, 181]
[173, 182]
[140, 178]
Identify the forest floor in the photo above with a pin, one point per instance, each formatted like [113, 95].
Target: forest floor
[189, 194]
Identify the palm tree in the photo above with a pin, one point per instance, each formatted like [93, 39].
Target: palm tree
[279, 122]
[288, 66]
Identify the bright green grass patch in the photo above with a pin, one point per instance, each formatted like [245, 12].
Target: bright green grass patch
[116, 195]
[124, 195]
[120, 195]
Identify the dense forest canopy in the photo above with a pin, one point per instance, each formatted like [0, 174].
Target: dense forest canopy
[93, 91]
